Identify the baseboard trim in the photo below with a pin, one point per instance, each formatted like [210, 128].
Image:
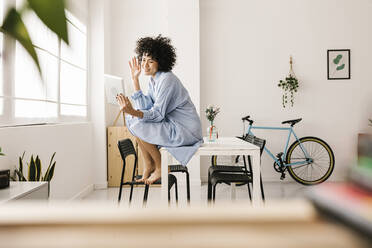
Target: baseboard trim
[85, 192]
[101, 185]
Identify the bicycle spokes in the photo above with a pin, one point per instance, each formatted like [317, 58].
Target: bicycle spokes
[313, 168]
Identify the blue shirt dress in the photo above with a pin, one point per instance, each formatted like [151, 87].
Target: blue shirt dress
[169, 118]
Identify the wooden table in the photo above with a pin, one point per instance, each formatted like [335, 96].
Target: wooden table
[283, 224]
[223, 146]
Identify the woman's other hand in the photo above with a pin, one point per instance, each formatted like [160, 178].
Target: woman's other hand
[135, 68]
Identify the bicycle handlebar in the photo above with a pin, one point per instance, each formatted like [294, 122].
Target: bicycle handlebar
[246, 118]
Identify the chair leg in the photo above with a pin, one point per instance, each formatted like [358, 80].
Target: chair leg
[262, 189]
[249, 192]
[188, 186]
[121, 182]
[176, 191]
[121, 186]
[131, 193]
[209, 188]
[169, 195]
[214, 193]
[145, 195]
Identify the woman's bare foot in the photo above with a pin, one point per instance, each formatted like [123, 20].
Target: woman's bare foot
[146, 175]
[156, 175]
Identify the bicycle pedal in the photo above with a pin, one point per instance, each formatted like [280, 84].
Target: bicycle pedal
[282, 176]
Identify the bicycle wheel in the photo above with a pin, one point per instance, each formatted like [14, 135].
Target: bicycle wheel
[316, 171]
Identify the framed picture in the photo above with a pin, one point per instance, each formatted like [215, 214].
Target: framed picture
[338, 64]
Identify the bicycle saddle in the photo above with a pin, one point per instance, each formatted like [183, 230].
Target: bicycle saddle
[292, 122]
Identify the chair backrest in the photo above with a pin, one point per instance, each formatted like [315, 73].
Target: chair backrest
[126, 148]
[249, 138]
[260, 143]
[256, 141]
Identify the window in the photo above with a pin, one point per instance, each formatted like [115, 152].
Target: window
[61, 95]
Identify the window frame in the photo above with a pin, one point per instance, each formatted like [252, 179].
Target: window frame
[9, 70]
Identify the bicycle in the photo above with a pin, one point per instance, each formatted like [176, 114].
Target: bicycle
[309, 160]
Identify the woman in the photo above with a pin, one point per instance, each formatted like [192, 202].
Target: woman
[166, 116]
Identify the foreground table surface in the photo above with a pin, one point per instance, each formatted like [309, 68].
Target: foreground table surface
[278, 224]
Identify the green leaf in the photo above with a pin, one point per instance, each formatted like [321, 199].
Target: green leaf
[32, 170]
[341, 67]
[38, 168]
[51, 159]
[20, 176]
[21, 162]
[49, 175]
[14, 26]
[52, 14]
[337, 59]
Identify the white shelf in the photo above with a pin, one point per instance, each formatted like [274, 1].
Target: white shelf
[24, 191]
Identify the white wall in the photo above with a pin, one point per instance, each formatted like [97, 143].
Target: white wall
[72, 144]
[131, 20]
[183, 28]
[97, 91]
[245, 49]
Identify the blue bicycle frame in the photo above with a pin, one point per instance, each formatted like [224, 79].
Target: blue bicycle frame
[307, 158]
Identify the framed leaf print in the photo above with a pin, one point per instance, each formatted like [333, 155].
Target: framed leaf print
[338, 64]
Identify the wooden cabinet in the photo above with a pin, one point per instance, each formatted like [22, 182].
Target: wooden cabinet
[114, 161]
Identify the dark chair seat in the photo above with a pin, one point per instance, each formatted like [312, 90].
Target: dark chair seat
[292, 122]
[225, 168]
[222, 177]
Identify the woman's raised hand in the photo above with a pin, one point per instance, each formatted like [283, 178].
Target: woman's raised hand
[135, 68]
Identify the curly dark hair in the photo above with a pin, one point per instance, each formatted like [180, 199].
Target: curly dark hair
[159, 49]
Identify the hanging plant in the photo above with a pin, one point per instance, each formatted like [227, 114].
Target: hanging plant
[289, 86]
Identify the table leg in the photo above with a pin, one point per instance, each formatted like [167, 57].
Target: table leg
[164, 176]
[256, 170]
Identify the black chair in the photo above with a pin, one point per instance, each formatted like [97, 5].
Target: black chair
[234, 174]
[182, 169]
[126, 148]
[228, 168]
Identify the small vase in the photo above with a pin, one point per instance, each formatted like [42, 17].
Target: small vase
[212, 134]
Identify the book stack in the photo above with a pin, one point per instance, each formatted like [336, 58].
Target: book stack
[350, 202]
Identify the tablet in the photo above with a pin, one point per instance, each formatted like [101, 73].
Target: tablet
[113, 86]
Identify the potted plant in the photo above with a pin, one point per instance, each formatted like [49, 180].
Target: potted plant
[35, 170]
[2, 160]
[211, 113]
[289, 86]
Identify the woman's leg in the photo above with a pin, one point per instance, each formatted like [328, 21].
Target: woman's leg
[149, 165]
[156, 157]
